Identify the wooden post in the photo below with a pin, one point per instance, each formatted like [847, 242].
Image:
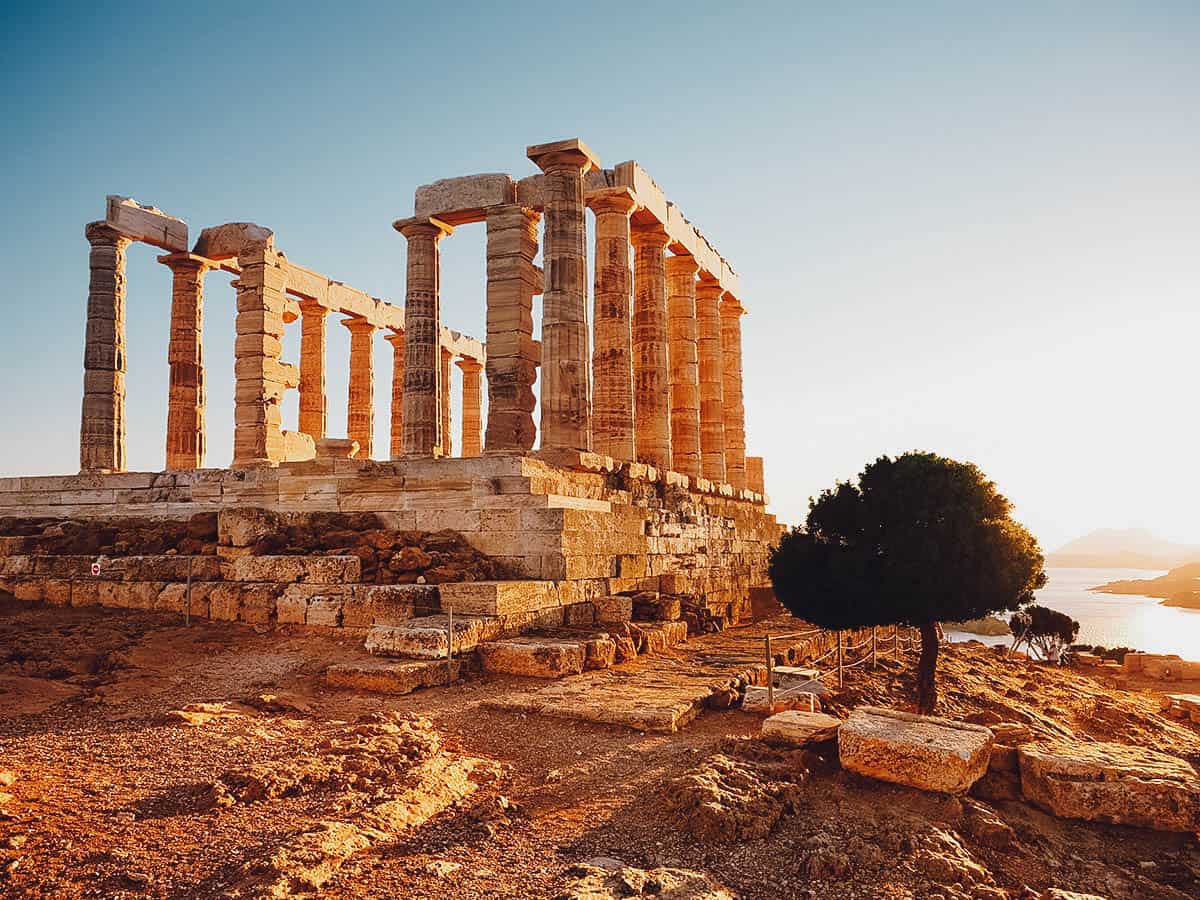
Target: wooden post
[874, 645]
[450, 645]
[839, 659]
[770, 678]
[896, 639]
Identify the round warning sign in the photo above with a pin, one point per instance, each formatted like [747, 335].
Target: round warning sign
[96, 568]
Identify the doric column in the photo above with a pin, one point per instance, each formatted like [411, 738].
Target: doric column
[754, 474]
[396, 339]
[612, 350]
[512, 358]
[685, 370]
[260, 378]
[185, 397]
[651, 382]
[447, 441]
[422, 337]
[565, 399]
[314, 416]
[471, 419]
[102, 419]
[712, 413]
[360, 406]
[735, 412]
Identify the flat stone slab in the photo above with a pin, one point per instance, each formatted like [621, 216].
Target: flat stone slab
[786, 676]
[757, 700]
[386, 677]
[533, 657]
[1104, 782]
[924, 752]
[498, 598]
[426, 637]
[798, 728]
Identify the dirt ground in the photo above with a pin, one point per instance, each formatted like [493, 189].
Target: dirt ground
[122, 786]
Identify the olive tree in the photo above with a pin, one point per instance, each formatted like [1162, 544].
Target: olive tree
[917, 540]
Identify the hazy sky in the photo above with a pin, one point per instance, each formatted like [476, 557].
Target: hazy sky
[964, 227]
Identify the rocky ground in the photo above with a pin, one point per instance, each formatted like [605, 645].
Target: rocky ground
[140, 758]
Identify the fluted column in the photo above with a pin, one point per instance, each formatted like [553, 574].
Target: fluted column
[360, 406]
[685, 371]
[612, 344]
[422, 337]
[512, 280]
[712, 413]
[471, 397]
[754, 474]
[651, 379]
[735, 412]
[185, 397]
[314, 416]
[447, 442]
[565, 400]
[260, 378]
[396, 339]
[102, 417]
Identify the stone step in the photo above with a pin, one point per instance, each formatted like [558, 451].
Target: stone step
[425, 637]
[499, 598]
[534, 657]
[387, 677]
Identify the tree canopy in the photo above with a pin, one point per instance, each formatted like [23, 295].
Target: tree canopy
[1049, 630]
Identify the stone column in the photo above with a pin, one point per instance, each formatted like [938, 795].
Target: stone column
[471, 419]
[712, 413]
[447, 442]
[685, 369]
[651, 383]
[102, 418]
[512, 357]
[565, 400]
[754, 475]
[314, 416]
[735, 412]
[185, 398]
[360, 405]
[612, 350]
[396, 339]
[260, 378]
[422, 337]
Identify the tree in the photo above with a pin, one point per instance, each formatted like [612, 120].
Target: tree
[1048, 630]
[919, 539]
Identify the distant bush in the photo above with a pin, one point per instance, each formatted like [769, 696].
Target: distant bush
[1117, 654]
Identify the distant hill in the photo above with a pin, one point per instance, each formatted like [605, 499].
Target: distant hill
[1179, 587]
[1122, 548]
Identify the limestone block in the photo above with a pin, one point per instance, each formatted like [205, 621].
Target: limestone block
[56, 592]
[579, 613]
[85, 593]
[258, 604]
[493, 598]
[298, 446]
[386, 677]
[797, 728]
[1116, 783]
[326, 611]
[291, 608]
[459, 201]
[533, 657]
[301, 569]
[425, 637]
[146, 223]
[230, 240]
[599, 652]
[757, 701]
[614, 609]
[245, 526]
[225, 602]
[924, 752]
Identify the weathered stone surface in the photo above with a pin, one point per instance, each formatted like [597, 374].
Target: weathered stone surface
[798, 728]
[613, 609]
[924, 752]
[1105, 782]
[604, 878]
[304, 569]
[426, 637]
[496, 598]
[758, 701]
[387, 677]
[229, 240]
[146, 223]
[459, 201]
[533, 657]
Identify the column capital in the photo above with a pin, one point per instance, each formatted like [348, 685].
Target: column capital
[649, 235]
[359, 325]
[611, 200]
[423, 226]
[395, 338]
[572, 153]
[731, 306]
[683, 264]
[103, 233]
[187, 262]
[469, 365]
[708, 288]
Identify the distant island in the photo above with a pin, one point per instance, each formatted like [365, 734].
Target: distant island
[1128, 548]
[1179, 587]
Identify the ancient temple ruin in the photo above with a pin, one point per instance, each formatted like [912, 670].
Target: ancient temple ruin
[635, 480]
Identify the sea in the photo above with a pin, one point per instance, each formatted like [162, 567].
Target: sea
[1114, 620]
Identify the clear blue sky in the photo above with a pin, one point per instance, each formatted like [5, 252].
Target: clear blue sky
[971, 228]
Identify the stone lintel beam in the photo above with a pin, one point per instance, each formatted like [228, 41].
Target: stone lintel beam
[460, 201]
[147, 224]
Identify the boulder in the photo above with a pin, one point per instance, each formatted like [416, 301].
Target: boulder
[798, 728]
[924, 752]
[1115, 783]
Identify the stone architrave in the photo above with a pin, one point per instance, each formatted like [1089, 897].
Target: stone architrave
[612, 344]
[396, 339]
[565, 400]
[447, 357]
[314, 416]
[712, 413]
[735, 411]
[260, 378]
[422, 336]
[512, 357]
[185, 398]
[651, 375]
[472, 422]
[360, 405]
[102, 419]
[685, 370]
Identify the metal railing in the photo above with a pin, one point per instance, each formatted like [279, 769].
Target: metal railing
[877, 643]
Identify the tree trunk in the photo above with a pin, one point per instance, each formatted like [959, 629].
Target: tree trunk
[927, 670]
